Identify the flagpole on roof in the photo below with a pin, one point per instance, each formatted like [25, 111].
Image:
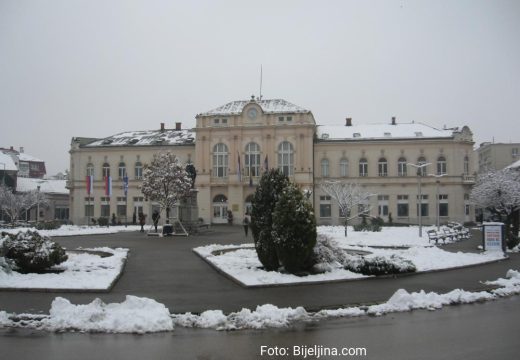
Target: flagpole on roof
[260, 81]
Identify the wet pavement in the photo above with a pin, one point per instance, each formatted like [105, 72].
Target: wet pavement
[167, 270]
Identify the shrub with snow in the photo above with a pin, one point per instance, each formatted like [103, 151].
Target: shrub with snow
[271, 186]
[294, 229]
[379, 265]
[32, 252]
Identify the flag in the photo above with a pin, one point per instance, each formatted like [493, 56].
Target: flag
[266, 164]
[108, 185]
[239, 171]
[125, 185]
[90, 184]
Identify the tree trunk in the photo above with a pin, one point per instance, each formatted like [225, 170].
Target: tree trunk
[346, 224]
[168, 213]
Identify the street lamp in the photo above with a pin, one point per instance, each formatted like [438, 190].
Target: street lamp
[38, 204]
[437, 181]
[419, 168]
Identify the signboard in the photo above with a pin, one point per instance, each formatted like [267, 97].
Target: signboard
[493, 236]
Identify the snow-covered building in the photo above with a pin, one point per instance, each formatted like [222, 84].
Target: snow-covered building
[379, 157]
[231, 146]
[56, 193]
[119, 156]
[27, 165]
[496, 156]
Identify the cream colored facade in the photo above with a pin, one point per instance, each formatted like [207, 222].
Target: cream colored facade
[251, 131]
[91, 153]
[496, 156]
[235, 142]
[378, 157]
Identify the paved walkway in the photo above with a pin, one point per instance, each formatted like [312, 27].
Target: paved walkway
[166, 269]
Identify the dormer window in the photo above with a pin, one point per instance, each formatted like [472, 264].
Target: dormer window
[418, 133]
[324, 136]
[387, 134]
[356, 135]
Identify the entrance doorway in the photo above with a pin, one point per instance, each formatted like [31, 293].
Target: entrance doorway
[220, 207]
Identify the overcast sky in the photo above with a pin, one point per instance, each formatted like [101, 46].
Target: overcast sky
[95, 68]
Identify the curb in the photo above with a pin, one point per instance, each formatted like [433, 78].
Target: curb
[368, 277]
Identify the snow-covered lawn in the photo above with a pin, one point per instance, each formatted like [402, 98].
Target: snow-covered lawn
[72, 230]
[82, 271]
[243, 265]
[141, 315]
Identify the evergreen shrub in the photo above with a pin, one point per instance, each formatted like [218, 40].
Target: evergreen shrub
[32, 252]
[378, 265]
[294, 229]
[271, 186]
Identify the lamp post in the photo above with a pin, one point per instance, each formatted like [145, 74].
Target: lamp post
[419, 168]
[38, 204]
[437, 181]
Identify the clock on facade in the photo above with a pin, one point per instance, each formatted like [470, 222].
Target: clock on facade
[252, 113]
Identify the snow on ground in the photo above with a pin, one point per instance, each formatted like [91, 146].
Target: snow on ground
[71, 230]
[243, 265]
[142, 315]
[81, 271]
[388, 237]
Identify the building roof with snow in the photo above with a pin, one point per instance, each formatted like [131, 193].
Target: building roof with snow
[7, 160]
[145, 138]
[26, 157]
[382, 131]
[47, 186]
[272, 106]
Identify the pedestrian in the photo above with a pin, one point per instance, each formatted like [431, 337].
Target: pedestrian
[113, 219]
[155, 218]
[142, 219]
[247, 221]
[230, 217]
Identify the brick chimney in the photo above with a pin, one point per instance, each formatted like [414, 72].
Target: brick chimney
[162, 127]
[178, 126]
[348, 122]
[393, 120]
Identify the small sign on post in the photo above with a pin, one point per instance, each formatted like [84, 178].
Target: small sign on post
[494, 236]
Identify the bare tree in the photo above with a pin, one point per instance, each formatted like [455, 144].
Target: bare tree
[14, 204]
[348, 195]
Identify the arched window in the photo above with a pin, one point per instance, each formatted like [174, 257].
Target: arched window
[138, 170]
[466, 165]
[122, 170]
[363, 167]
[382, 166]
[220, 198]
[286, 158]
[401, 167]
[325, 168]
[106, 170]
[343, 167]
[220, 160]
[90, 169]
[252, 160]
[441, 165]
[421, 161]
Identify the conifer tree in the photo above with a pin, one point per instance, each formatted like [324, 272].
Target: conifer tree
[294, 228]
[271, 186]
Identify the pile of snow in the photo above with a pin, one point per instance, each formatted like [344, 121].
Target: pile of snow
[142, 315]
[72, 230]
[265, 316]
[134, 315]
[81, 271]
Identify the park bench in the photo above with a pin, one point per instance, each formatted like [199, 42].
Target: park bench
[435, 236]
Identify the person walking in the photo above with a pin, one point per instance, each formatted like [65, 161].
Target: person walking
[142, 219]
[246, 222]
[155, 218]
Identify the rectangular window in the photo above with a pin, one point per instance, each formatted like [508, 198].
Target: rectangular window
[121, 206]
[216, 121]
[289, 118]
[424, 211]
[466, 210]
[89, 206]
[61, 213]
[325, 207]
[514, 152]
[280, 118]
[402, 206]
[105, 207]
[443, 205]
[224, 121]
